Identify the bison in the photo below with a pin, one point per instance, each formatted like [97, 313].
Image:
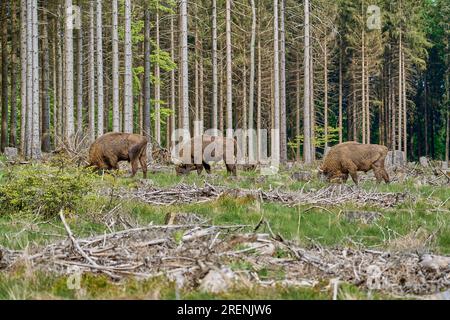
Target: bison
[350, 157]
[203, 150]
[106, 152]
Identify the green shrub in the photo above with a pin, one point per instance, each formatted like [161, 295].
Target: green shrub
[42, 189]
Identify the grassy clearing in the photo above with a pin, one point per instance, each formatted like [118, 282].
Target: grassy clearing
[421, 223]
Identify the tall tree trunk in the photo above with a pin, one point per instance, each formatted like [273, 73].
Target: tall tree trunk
[405, 123]
[29, 111]
[147, 73]
[297, 105]
[23, 74]
[80, 103]
[172, 77]
[400, 95]
[367, 103]
[5, 71]
[229, 73]
[283, 129]
[251, 93]
[363, 86]
[69, 116]
[36, 141]
[275, 143]
[157, 86]
[128, 79]
[60, 67]
[45, 83]
[115, 69]
[325, 81]
[214, 65]
[184, 64]
[258, 100]
[307, 157]
[91, 82]
[100, 93]
[340, 97]
[13, 116]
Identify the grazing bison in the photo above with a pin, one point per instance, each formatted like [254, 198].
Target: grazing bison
[204, 149]
[106, 152]
[350, 157]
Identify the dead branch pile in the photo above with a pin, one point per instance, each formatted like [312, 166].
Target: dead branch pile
[198, 255]
[331, 195]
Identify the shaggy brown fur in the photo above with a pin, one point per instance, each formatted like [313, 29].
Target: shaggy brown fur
[351, 157]
[106, 152]
[217, 149]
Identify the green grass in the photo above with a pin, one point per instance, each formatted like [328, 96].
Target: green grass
[20, 284]
[419, 224]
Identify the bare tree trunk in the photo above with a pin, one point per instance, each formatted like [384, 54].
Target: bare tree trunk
[201, 91]
[405, 137]
[363, 85]
[229, 73]
[367, 102]
[36, 141]
[60, 65]
[29, 111]
[325, 81]
[283, 129]
[221, 99]
[306, 96]
[340, 97]
[128, 79]
[115, 68]
[5, 71]
[23, 74]
[69, 116]
[184, 64]
[13, 116]
[80, 103]
[214, 64]
[100, 93]
[259, 101]
[91, 82]
[275, 143]
[172, 78]
[147, 73]
[157, 87]
[251, 94]
[400, 96]
[45, 84]
[297, 105]
[447, 94]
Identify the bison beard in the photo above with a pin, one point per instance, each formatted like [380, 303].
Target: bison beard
[212, 149]
[351, 157]
[106, 152]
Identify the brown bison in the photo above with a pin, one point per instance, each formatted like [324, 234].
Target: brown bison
[351, 157]
[106, 152]
[203, 150]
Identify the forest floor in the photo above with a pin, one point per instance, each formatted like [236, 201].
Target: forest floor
[66, 233]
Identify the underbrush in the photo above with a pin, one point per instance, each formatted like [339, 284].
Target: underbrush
[43, 189]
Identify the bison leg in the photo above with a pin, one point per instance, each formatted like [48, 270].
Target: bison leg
[134, 167]
[231, 169]
[143, 162]
[385, 175]
[199, 168]
[207, 167]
